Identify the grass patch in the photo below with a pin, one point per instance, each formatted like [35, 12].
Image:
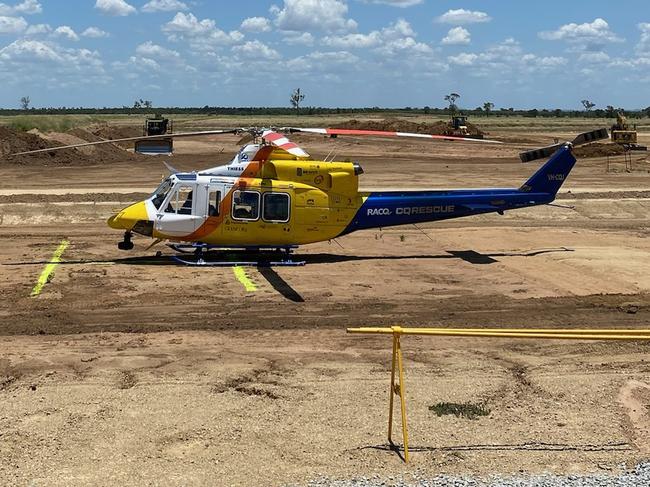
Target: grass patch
[49, 123]
[465, 410]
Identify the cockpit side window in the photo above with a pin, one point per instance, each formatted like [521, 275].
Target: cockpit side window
[181, 201]
[161, 193]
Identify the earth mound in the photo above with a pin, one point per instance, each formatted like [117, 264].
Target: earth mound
[111, 132]
[13, 141]
[393, 124]
[598, 149]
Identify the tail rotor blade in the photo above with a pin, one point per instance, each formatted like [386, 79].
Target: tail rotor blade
[542, 153]
[591, 136]
[545, 152]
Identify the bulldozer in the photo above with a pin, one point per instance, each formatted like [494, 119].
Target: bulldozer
[621, 131]
[457, 127]
[156, 125]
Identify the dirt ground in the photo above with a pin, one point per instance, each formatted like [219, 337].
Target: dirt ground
[127, 370]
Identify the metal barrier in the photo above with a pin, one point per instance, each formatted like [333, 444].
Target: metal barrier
[541, 333]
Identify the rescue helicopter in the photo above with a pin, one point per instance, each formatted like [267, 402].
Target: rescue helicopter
[273, 197]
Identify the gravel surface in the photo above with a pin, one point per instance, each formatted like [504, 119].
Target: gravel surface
[639, 476]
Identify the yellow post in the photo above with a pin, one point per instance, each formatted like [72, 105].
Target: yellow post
[398, 388]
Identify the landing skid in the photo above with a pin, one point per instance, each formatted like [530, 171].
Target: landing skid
[235, 256]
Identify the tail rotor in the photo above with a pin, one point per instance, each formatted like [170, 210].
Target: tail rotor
[546, 152]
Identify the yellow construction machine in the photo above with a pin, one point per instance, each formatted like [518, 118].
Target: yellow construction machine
[622, 133]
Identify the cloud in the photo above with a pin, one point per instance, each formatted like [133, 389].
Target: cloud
[590, 36]
[397, 39]
[37, 29]
[256, 24]
[323, 62]
[457, 36]
[397, 3]
[30, 59]
[200, 33]
[463, 17]
[12, 25]
[67, 32]
[644, 42]
[256, 50]
[313, 15]
[294, 38]
[154, 51]
[117, 8]
[506, 57]
[27, 7]
[94, 33]
[164, 6]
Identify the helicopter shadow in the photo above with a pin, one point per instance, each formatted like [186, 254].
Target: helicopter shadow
[469, 256]
[284, 288]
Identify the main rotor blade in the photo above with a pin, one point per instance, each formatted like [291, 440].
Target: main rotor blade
[130, 139]
[381, 133]
[282, 142]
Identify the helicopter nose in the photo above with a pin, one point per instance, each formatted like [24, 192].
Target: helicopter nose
[129, 216]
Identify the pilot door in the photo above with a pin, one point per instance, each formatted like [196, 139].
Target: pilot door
[184, 210]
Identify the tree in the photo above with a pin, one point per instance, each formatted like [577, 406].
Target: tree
[451, 99]
[24, 102]
[488, 106]
[296, 98]
[588, 105]
[147, 104]
[647, 111]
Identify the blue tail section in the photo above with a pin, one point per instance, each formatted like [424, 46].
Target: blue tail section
[551, 175]
[390, 208]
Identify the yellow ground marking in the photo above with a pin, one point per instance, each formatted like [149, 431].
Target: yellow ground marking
[46, 275]
[240, 274]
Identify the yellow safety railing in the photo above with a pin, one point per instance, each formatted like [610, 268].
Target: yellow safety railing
[397, 367]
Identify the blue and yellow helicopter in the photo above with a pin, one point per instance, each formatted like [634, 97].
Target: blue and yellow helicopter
[273, 196]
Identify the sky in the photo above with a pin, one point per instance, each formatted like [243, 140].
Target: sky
[341, 53]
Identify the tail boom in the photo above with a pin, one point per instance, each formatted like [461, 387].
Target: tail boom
[391, 208]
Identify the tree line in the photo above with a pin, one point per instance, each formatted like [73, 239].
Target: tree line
[144, 107]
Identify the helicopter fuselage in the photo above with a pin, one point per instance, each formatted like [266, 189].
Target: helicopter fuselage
[278, 200]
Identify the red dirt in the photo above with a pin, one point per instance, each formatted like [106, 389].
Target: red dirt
[400, 125]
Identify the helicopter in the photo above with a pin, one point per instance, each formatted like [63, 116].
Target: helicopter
[273, 196]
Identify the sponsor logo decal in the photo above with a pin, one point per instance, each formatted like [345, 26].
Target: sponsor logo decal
[413, 210]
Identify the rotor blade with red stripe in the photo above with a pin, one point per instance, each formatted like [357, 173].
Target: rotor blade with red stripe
[381, 133]
[282, 142]
[130, 139]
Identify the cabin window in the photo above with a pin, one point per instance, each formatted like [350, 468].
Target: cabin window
[246, 205]
[214, 200]
[276, 207]
[181, 201]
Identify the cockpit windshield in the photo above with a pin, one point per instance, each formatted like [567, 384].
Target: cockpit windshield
[159, 195]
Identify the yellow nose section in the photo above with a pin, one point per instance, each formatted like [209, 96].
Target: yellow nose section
[129, 216]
